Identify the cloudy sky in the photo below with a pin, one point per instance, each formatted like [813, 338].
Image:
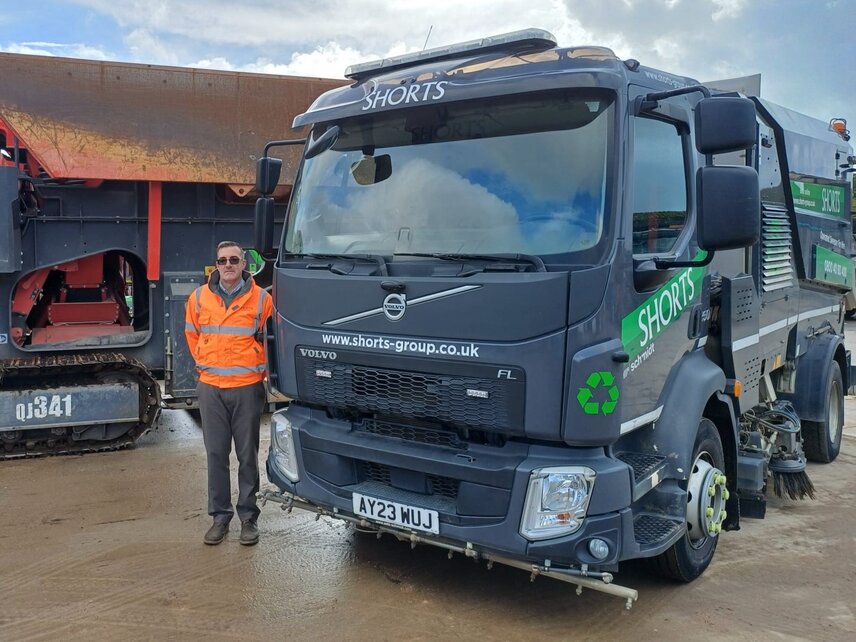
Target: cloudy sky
[804, 49]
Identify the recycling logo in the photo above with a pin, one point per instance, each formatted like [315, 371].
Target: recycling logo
[599, 395]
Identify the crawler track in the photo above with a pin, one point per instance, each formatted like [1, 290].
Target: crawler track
[45, 372]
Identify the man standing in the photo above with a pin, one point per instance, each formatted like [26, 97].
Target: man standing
[224, 321]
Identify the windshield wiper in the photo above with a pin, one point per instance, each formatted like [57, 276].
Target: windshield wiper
[377, 259]
[531, 259]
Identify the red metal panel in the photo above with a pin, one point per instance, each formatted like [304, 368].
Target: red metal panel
[28, 290]
[108, 120]
[154, 232]
[104, 312]
[87, 272]
[61, 333]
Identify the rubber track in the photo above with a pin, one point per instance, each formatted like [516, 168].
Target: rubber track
[51, 370]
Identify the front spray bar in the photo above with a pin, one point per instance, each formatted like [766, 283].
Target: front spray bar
[580, 577]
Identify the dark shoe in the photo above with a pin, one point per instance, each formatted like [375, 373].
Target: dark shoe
[249, 532]
[217, 533]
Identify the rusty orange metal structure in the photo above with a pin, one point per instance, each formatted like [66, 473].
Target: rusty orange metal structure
[93, 120]
[117, 181]
[109, 120]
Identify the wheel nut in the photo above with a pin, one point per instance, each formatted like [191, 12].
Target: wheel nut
[708, 512]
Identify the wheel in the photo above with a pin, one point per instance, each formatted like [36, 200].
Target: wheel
[850, 314]
[706, 496]
[822, 439]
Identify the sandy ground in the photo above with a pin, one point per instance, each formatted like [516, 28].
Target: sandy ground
[108, 546]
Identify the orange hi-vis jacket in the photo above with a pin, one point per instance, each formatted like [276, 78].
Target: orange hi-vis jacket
[225, 340]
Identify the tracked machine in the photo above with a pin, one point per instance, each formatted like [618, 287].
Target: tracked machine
[116, 182]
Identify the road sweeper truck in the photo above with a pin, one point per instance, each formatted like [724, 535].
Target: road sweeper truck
[544, 307]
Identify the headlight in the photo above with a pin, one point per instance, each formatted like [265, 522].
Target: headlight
[556, 501]
[282, 443]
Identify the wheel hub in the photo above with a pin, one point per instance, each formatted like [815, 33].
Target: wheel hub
[706, 497]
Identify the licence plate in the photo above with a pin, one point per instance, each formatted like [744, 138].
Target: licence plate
[381, 510]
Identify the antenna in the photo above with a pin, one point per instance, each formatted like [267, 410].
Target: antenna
[428, 36]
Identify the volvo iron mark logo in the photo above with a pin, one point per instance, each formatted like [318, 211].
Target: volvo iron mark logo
[394, 306]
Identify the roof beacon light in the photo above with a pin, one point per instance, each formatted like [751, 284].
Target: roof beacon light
[839, 126]
[526, 40]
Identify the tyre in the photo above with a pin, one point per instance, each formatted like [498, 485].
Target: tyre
[706, 496]
[850, 314]
[822, 439]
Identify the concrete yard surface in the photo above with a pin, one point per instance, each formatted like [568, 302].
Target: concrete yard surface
[109, 546]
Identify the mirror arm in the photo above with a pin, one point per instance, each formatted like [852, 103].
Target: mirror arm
[665, 264]
[652, 100]
[283, 143]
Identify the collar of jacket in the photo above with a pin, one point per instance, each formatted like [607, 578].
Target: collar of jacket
[214, 283]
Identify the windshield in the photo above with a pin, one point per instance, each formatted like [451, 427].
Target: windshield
[517, 175]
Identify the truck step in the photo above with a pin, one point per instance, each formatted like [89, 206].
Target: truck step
[646, 469]
[651, 531]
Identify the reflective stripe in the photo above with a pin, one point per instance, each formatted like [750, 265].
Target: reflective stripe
[262, 296]
[193, 326]
[647, 418]
[227, 329]
[232, 370]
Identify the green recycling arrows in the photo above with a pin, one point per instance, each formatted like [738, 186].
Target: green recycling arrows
[591, 397]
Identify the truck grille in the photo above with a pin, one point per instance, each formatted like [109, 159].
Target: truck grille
[437, 485]
[418, 434]
[467, 402]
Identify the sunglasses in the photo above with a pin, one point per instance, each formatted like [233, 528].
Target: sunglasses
[232, 260]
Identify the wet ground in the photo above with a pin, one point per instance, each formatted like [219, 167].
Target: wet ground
[108, 546]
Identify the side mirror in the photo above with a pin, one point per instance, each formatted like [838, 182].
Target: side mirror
[725, 124]
[267, 174]
[372, 169]
[729, 207]
[324, 142]
[263, 225]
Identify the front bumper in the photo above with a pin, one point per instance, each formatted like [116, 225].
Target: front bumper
[581, 577]
[478, 490]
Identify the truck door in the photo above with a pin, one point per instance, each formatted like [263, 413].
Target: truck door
[654, 326]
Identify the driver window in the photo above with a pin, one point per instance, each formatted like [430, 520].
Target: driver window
[659, 186]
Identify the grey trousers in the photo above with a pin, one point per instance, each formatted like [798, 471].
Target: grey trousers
[232, 415]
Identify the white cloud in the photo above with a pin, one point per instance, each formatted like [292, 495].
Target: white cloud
[218, 62]
[727, 8]
[147, 47]
[696, 38]
[325, 61]
[68, 50]
[366, 25]
[668, 50]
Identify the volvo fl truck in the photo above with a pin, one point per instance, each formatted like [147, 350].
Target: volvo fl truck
[545, 307]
